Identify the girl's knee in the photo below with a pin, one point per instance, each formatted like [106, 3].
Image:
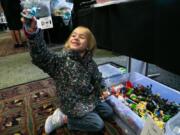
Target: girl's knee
[98, 125]
[108, 114]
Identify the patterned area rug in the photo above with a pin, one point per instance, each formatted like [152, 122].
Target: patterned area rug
[24, 108]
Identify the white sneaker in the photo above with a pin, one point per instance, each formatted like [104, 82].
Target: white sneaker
[54, 121]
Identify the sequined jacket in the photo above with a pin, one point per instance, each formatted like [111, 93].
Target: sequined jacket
[77, 79]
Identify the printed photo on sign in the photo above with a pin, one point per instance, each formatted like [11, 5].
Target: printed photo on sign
[45, 23]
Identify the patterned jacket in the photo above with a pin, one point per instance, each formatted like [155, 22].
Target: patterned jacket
[77, 79]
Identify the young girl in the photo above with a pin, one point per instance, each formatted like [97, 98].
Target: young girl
[77, 79]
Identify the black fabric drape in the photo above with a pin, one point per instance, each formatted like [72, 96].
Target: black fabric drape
[146, 29]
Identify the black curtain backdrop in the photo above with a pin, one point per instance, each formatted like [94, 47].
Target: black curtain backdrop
[148, 30]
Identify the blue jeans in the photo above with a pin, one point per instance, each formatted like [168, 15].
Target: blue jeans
[91, 122]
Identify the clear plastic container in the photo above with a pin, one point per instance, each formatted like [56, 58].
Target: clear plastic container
[172, 95]
[37, 8]
[164, 91]
[173, 125]
[111, 74]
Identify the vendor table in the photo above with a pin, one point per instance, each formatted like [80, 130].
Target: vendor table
[147, 30]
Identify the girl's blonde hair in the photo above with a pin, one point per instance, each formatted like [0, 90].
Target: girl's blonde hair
[91, 46]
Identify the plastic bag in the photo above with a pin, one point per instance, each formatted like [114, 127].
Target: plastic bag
[63, 9]
[60, 4]
[37, 8]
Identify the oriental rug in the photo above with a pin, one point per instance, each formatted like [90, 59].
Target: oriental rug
[24, 108]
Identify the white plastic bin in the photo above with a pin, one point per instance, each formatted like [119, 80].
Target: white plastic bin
[173, 125]
[111, 74]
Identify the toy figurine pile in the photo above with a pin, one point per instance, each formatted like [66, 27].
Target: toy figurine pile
[141, 100]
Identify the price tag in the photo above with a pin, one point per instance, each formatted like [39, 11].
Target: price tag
[45, 23]
[151, 128]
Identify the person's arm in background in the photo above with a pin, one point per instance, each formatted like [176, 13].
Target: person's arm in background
[49, 62]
